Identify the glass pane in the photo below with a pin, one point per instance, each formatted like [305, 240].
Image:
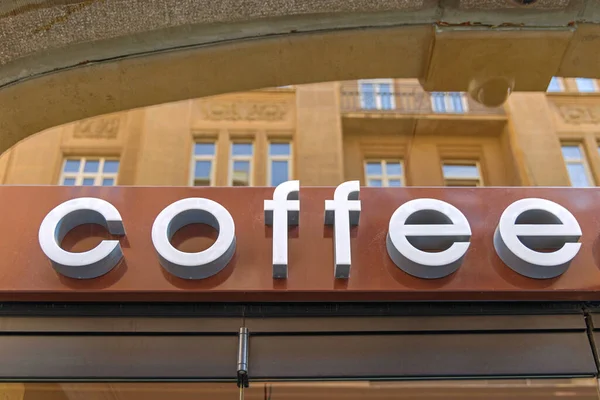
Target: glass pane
[108, 182]
[204, 149]
[279, 172]
[394, 183]
[202, 169]
[571, 152]
[374, 168]
[517, 388]
[554, 85]
[279, 149]
[111, 166]
[374, 182]
[457, 105]
[585, 85]
[88, 182]
[202, 182]
[69, 182]
[367, 96]
[72, 165]
[386, 96]
[241, 173]
[241, 149]
[91, 166]
[393, 168]
[459, 183]
[577, 175]
[460, 171]
[439, 101]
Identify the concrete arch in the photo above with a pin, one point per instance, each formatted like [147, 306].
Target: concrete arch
[52, 71]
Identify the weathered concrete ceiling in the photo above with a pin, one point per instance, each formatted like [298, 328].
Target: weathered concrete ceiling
[62, 60]
[37, 36]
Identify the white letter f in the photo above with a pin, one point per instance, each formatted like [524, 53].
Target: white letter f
[341, 212]
[282, 211]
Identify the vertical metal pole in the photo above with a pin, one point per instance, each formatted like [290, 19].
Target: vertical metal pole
[242, 361]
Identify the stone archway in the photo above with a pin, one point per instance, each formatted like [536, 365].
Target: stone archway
[65, 60]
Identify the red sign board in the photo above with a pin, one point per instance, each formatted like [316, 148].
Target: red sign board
[26, 274]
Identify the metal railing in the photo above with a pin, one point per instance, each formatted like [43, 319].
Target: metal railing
[410, 99]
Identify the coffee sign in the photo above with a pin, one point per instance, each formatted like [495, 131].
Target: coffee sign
[314, 244]
[419, 225]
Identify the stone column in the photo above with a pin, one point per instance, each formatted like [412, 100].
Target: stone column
[318, 139]
[534, 141]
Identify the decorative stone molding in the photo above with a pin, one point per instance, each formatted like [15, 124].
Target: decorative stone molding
[244, 111]
[580, 114]
[97, 128]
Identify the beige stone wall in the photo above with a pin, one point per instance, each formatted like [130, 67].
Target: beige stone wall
[517, 145]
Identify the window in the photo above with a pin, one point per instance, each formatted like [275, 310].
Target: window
[384, 173]
[555, 85]
[280, 163]
[577, 167]
[377, 94]
[241, 164]
[449, 102]
[203, 164]
[462, 173]
[586, 85]
[89, 172]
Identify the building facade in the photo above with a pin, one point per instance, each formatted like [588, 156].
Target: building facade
[383, 132]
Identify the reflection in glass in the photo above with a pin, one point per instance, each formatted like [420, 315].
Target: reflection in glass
[460, 171]
[241, 173]
[202, 173]
[585, 85]
[72, 166]
[367, 96]
[204, 149]
[111, 166]
[241, 149]
[279, 149]
[571, 152]
[279, 172]
[555, 85]
[374, 168]
[91, 166]
[518, 389]
[394, 168]
[577, 175]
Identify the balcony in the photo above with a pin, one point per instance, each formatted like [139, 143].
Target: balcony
[408, 99]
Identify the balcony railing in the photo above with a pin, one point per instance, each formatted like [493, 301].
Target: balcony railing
[410, 99]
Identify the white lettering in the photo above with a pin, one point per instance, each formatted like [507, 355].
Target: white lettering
[202, 264]
[529, 225]
[281, 212]
[428, 224]
[341, 212]
[66, 216]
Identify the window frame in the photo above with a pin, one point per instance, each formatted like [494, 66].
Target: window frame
[384, 177]
[80, 175]
[461, 181]
[378, 98]
[289, 158]
[249, 158]
[583, 161]
[212, 159]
